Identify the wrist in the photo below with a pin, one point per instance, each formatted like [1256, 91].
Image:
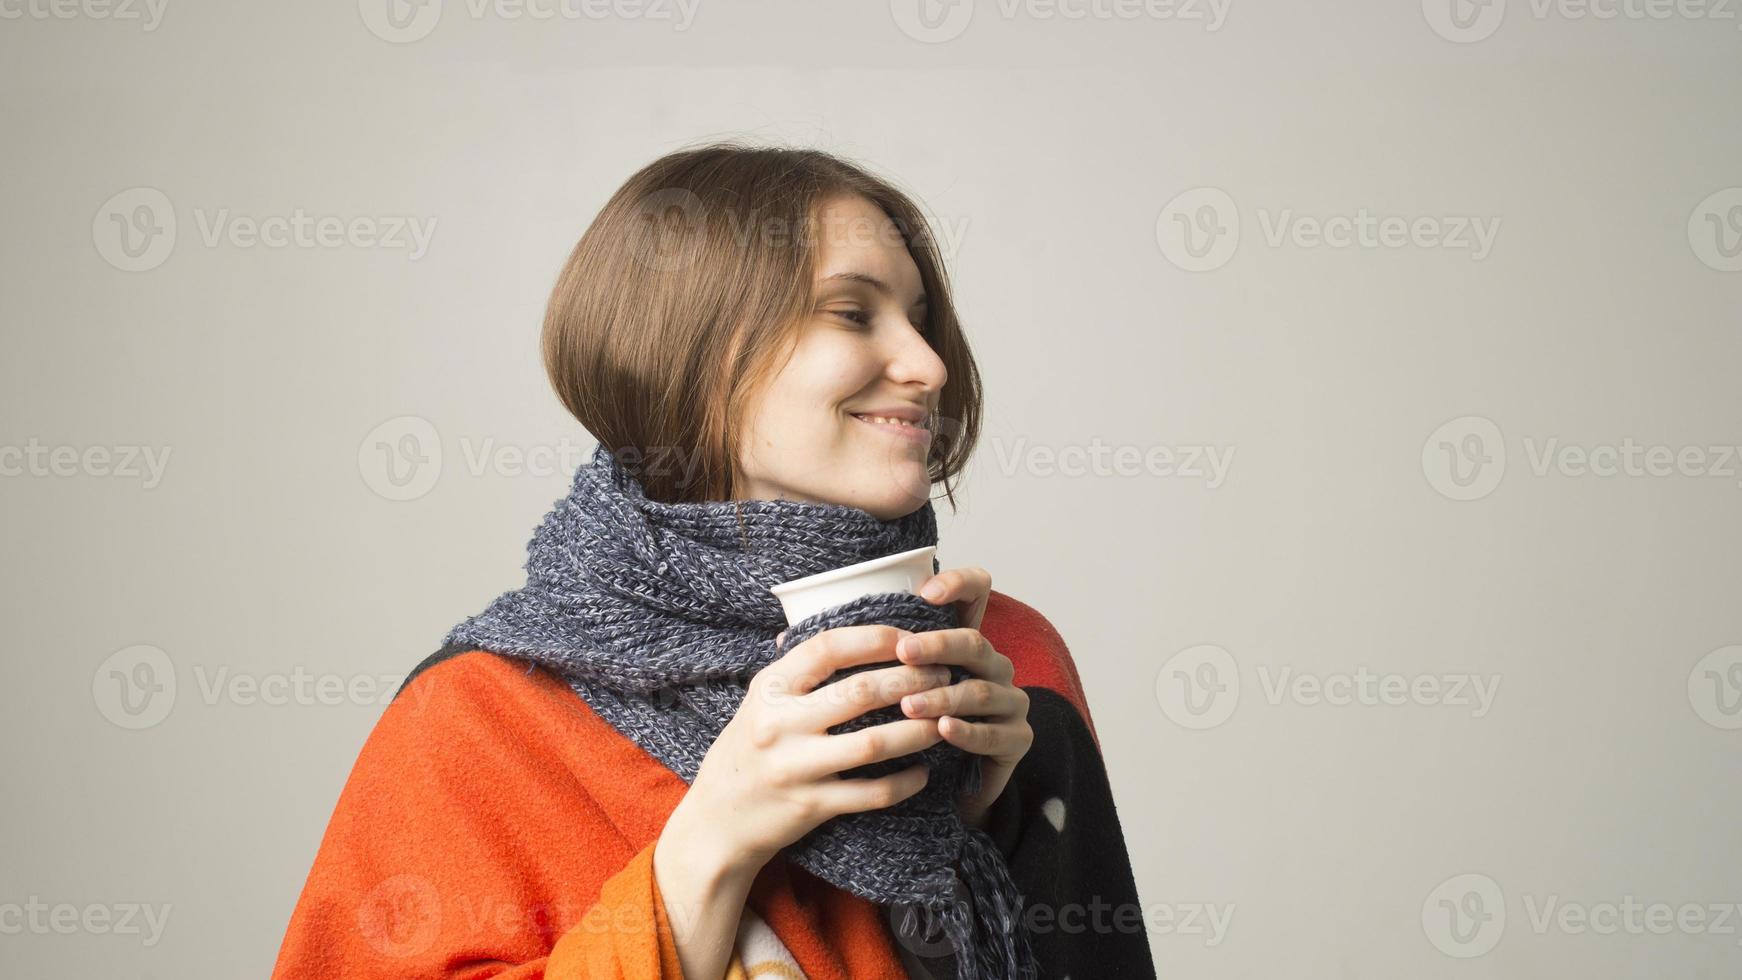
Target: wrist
[703, 853]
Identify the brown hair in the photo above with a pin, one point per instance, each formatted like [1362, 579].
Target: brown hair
[695, 276]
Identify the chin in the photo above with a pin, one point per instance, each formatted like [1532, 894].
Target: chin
[900, 498]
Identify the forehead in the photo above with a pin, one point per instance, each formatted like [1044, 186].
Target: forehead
[854, 235]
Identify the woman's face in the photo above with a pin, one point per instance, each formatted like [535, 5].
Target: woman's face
[859, 353]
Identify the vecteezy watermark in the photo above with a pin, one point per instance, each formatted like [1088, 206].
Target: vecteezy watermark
[1098, 459]
[147, 13]
[1200, 230]
[39, 918]
[35, 459]
[136, 687]
[405, 21]
[403, 916]
[1715, 688]
[1465, 916]
[1199, 687]
[1465, 459]
[1632, 917]
[938, 21]
[921, 930]
[403, 457]
[1469, 21]
[675, 218]
[136, 230]
[1715, 230]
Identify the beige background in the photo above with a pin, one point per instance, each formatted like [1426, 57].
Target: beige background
[1604, 310]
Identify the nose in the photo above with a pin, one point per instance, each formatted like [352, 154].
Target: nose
[913, 363]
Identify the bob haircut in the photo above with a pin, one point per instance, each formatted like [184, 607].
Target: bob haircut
[686, 294]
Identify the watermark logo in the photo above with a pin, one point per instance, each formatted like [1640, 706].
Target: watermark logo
[1465, 458]
[1464, 916]
[1199, 229]
[134, 230]
[400, 21]
[675, 222]
[938, 21]
[1630, 916]
[406, 21]
[148, 13]
[40, 918]
[1469, 21]
[1198, 687]
[932, 21]
[1464, 21]
[1098, 459]
[1715, 230]
[1715, 688]
[922, 930]
[401, 459]
[404, 458]
[37, 459]
[672, 240]
[401, 916]
[135, 687]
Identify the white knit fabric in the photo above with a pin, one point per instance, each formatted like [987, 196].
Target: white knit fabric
[758, 952]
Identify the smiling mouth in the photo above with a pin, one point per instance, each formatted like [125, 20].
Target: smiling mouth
[912, 431]
[880, 420]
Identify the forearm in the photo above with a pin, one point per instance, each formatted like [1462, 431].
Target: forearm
[703, 889]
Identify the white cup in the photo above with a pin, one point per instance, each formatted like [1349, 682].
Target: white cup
[803, 598]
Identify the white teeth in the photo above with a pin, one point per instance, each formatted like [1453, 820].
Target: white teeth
[885, 421]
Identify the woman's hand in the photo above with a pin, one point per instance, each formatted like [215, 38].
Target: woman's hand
[1002, 735]
[771, 775]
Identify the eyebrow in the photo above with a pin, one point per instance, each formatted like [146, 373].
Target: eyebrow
[874, 283]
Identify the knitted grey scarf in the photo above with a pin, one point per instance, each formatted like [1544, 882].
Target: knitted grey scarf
[659, 614]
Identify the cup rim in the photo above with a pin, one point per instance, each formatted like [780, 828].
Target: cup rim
[849, 571]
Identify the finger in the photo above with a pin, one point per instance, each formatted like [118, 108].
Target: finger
[967, 647]
[953, 584]
[836, 753]
[852, 696]
[810, 663]
[1000, 741]
[972, 698]
[968, 588]
[858, 795]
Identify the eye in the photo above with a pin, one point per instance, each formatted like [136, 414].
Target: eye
[860, 317]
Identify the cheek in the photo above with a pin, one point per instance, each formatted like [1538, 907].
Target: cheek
[832, 374]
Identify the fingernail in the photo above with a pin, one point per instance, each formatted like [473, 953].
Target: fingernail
[932, 591]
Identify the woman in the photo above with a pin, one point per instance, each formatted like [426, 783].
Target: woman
[633, 767]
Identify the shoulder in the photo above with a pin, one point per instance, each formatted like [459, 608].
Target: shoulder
[476, 707]
[456, 682]
[1035, 647]
[464, 703]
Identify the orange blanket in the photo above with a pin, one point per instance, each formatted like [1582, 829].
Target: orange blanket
[494, 826]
